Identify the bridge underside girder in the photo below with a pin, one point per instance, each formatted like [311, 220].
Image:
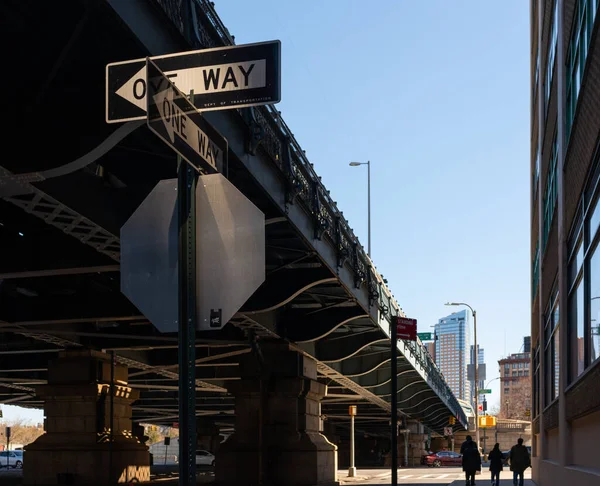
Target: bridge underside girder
[59, 273]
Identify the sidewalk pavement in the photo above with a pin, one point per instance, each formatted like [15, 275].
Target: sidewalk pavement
[503, 482]
[364, 475]
[383, 477]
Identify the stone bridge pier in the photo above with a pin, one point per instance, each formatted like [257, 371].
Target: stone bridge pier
[76, 448]
[277, 416]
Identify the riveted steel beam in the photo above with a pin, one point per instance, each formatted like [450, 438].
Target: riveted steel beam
[346, 348]
[302, 327]
[282, 287]
[55, 272]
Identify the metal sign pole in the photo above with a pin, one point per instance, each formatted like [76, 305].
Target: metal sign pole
[112, 415]
[394, 402]
[352, 470]
[8, 433]
[186, 194]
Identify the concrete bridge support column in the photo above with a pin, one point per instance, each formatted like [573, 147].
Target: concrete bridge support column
[76, 447]
[207, 435]
[413, 443]
[277, 414]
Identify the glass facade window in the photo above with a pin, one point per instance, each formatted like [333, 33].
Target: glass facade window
[551, 192]
[576, 331]
[583, 311]
[583, 21]
[536, 174]
[551, 349]
[535, 271]
[551, 54]
[593, 326]
[536, 77]
[536, 380]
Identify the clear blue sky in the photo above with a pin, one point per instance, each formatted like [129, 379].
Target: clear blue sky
[436, 95]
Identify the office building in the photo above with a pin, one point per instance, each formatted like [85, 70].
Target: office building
[452, 346]
[430, 346]
[565, 257]
[515, 385]
[481, 373]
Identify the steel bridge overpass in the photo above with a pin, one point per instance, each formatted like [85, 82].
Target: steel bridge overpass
[68, 182]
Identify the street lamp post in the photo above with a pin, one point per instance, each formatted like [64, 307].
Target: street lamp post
[352, 469]
[368, 164]
[476, 368]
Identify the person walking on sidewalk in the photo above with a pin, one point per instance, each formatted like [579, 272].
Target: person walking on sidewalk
[496, 459]
[471, 462]
[466, 444]
[519, 461]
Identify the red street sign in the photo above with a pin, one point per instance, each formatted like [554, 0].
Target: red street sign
[406, 328]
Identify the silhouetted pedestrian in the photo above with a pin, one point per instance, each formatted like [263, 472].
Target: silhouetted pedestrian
[465, 444]
[496, 459]
[519, 461]
[471, 462]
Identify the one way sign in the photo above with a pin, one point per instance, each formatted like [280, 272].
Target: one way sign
[221, 78]
[174, 119]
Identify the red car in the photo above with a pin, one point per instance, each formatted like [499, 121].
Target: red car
[443, 458]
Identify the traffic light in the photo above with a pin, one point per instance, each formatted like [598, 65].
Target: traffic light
[452, 420]
[487, 421]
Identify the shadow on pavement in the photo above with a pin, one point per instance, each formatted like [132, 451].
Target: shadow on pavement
[163, 475]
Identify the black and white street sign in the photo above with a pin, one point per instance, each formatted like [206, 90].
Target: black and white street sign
[221, 78]
[173, 118]
[230, 253]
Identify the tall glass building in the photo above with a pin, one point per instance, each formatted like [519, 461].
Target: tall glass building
[452, 351]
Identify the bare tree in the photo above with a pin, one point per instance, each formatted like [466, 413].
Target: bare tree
[158, 433]
[22, 432]
[517, 402]
[494, 410]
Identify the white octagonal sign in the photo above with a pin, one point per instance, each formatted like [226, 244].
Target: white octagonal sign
[230, 252]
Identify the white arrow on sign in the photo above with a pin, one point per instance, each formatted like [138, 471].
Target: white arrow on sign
[202, 80]
[176, 122]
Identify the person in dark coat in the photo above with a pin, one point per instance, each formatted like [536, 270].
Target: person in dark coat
[496, 460]
[466, 443]
[519, 461]
[471, 463]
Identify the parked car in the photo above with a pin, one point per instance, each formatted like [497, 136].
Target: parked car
[443, 458]
[204, 458]
[11, 459]
[424, 457]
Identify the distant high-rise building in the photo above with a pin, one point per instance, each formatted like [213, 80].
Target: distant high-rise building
[481, 372]
[452, 347]
[515, 388]
[431, 349]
